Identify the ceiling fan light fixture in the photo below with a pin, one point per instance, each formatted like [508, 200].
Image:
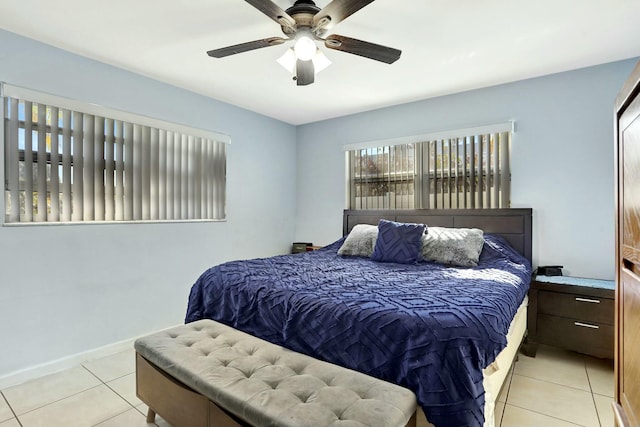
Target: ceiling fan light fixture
[288, 61]
[320, 61]
[305, 48]
[305, 24]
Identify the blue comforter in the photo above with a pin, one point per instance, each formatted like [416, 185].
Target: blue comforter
[427, 327]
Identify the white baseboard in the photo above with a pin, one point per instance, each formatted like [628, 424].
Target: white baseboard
[23, 375]
[33, 372]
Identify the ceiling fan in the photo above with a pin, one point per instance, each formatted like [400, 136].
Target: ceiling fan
[304, 23]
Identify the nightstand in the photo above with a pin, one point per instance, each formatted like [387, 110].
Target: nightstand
[300, 247]
[571, 313]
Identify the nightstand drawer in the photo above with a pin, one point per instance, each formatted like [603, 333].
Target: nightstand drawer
[578, 335]
[572, 313]
[585, 308]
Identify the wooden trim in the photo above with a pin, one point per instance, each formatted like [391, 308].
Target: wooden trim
[625, 411]
[413, 420]
[630, 88]
[173, 401]
[619, 416]
[220, 418]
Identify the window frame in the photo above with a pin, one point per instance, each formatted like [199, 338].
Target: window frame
[8, 91]
[422, 193]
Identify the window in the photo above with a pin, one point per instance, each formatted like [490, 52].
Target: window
[65, 161]
[464, 169]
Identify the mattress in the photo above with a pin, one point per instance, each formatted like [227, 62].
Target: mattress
[427, 327]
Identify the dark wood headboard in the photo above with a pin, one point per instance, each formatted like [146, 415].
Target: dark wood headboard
[515, 225]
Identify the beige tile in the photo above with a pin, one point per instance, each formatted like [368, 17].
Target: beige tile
[555, 365]
[80, 410]
[605, 412]
[131, 418]
[10, 423]
[519, 417]
[112, 367]
[600, 372]
[5, 411]
[160, 422]
[565, 403]
[142, 409]
[126, 388]
[48, 389]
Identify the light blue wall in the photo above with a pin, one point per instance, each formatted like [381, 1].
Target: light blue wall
[562, 159]
[68, 289]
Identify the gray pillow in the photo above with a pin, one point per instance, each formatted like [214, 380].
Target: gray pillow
[360, 241]
[454, 246]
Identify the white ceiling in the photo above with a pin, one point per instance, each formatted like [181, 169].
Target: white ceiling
[447, 46]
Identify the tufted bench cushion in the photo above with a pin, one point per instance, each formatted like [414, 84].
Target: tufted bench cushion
[263, 384]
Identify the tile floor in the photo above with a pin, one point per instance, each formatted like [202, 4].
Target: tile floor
[554, 389]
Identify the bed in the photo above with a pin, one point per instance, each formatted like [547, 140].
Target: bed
[447, 333]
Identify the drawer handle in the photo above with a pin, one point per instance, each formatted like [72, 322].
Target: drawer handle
[594, 301]
[586, 325]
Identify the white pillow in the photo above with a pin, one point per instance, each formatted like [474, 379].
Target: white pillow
[360, 241]
[454, 246]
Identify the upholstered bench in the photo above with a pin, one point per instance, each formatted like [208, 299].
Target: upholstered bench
[208, 374]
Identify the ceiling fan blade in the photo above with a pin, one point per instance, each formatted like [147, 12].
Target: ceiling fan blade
[337, 11]
[245, 47]
[374, 51]
[305, 72]
[274, 12]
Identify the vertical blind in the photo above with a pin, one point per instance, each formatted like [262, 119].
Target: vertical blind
[382, 177]
[469, 170]
[65, 165]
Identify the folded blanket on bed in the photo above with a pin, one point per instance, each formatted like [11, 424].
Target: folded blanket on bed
[426, 326]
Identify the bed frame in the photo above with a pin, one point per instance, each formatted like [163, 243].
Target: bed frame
[514, 225]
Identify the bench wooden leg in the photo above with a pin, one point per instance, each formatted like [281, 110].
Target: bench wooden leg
[151, 416]
[413, 421]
